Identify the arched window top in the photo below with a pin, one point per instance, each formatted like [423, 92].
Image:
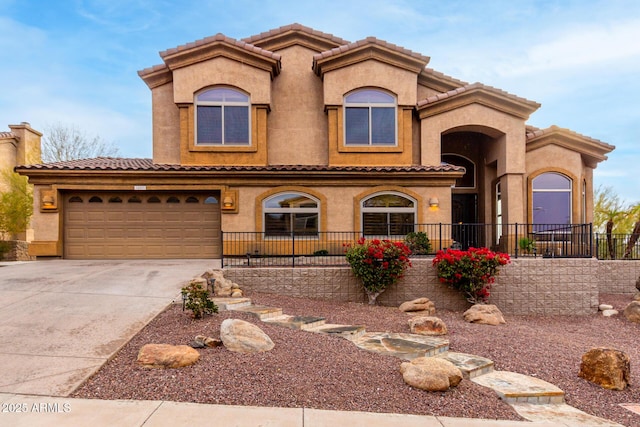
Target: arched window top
[222, 94]
[153, 199]
[173, 199]
[95, 199]
[290, 201]
[75, 199]
[369, 96]
[115, 199]
[192, 199]
[388, 200]
[211, 200]
[551, 181]
[134, 199]
[468, 180]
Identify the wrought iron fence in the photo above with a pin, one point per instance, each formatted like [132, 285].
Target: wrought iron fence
[617, 246]
[252, 249]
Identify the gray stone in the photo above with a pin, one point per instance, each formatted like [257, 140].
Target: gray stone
[485, 314]
[609, 313]
[431, 374]
[603, 307]
[632, 312]
[427, 325]
[606, 367]
[206, 341]
[167, 356]
[423, 305]
[638, 283]
[244, 337]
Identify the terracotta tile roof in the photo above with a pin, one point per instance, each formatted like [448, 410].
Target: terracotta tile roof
[470, 87]
[534, 132]
[369, 41]
[443, 76]
[153, 69]
[293, 27]
[135, 164]
[4, 135]
[220, 38]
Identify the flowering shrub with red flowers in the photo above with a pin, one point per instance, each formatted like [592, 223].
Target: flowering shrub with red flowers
[472, 272]
[378, 263]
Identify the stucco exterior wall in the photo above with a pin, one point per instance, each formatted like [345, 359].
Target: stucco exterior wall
[524, 287]
[7, 158]
[166, 125]
[297, 123]
[371, 73]
[197, 76]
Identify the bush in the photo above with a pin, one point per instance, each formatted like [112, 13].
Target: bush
[378, 263]
[418, 243]
[196, 299]
[472, 272]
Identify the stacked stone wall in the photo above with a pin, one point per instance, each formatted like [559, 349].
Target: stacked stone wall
[527, 286]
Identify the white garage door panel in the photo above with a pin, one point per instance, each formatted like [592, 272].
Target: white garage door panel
[140, 227]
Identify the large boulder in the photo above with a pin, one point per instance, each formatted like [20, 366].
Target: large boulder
[420, 305]
[244, 337]
[167, 356]
[632, 312]
[222, 287]
[606, 367]
[431, 374]
[638, 283]
[485, 314]
[427, 325]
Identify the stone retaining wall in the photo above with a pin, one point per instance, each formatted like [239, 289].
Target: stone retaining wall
[16, 250]
[618, 277]
[537, 286]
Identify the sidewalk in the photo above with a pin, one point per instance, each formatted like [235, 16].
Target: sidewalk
[61, 411]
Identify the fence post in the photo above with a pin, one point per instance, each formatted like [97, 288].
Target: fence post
[440, 234]
[222, 248]
[293, 248]
[517, 242]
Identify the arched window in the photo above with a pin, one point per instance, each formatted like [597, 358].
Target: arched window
[468, 180]
[285, 213]
[388, 214]
[551, 200]
[222, 117]
[370, 118]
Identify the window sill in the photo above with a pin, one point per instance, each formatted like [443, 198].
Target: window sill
[369, 149]
[223, 148]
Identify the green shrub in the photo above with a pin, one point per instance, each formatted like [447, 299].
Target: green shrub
[378, 263]
[418, 243]
[321, 252]
[526, 244]
[196, 299]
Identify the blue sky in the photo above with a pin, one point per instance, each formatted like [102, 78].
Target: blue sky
[75, 62]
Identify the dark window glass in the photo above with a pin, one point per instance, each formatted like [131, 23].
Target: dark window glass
[95, 199]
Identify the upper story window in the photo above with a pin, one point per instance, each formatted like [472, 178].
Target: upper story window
[287, 213]
[551, 199]
[222, 117]
[370, 118]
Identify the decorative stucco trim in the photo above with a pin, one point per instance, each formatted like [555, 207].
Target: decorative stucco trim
[294, 189]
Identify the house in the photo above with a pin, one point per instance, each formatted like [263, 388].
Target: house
[297, 130]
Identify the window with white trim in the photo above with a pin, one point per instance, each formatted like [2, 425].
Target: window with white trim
[222, 117]
[388, 214]
[370, 118]
[291, 212]
[551, 199]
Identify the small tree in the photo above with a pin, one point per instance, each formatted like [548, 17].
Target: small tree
[196, 299]
[472, 272]
[62, 143]
[16, 204]
[378, 263]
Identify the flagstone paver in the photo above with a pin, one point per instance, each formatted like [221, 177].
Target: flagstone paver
[534, 399]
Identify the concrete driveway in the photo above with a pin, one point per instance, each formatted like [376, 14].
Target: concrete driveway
[61, 320]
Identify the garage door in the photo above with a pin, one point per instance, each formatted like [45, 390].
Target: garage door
[104, 225]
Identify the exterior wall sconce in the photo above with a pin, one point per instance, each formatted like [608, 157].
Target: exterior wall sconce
[48, 200]
[434, 202]
[230, 201]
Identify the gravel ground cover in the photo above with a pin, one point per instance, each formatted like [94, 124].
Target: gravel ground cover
[317, 371]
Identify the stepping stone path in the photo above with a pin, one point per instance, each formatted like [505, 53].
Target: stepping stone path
[532, 398]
